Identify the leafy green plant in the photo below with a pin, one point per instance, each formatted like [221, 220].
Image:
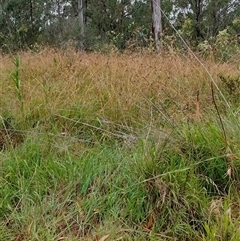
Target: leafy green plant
[225, 45]
[17, 83]
[231, 85]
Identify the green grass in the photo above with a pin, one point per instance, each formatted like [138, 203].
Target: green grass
[108, 146]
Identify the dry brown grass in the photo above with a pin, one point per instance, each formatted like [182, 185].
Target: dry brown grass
[116, 87]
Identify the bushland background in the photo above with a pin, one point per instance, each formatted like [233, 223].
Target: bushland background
[104, 138]
[208, 26]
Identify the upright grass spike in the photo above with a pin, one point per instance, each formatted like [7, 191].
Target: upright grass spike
[17, 82]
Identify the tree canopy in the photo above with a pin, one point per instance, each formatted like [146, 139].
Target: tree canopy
[119, 23]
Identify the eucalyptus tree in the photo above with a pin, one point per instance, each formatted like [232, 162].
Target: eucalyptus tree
[157, 23]
[81, 23]
[206, 17]
[89, 22]
[220, 14]
[19, 23]
[108, 20]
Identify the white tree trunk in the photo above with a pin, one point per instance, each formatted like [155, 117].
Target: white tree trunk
[81, 23]
[157, 23]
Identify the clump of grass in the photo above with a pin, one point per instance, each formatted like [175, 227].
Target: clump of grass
[223, 219]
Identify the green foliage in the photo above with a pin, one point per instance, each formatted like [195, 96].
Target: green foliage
[222, 48]
[211, 164]
[17, 82]
[123, 24]
[22, 25]
[231, 85]
[225, 45]
[221, 226]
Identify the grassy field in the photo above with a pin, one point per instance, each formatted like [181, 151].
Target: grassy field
[137, 146]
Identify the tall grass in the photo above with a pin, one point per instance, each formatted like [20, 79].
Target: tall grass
[125, 145]
[17, 82]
